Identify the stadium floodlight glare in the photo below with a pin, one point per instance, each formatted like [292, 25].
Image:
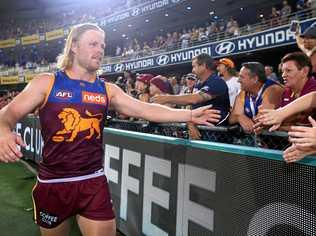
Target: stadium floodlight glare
[123, 35]
[166, 14]
[211, 12]
[129, 25]
[261, 15]
[146, 20]
[241, 8]
[189, 8]
[114, 30]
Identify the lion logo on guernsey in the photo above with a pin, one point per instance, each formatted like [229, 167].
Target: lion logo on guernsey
[74, 123]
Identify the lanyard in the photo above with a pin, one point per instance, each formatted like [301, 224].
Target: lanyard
[253, 102]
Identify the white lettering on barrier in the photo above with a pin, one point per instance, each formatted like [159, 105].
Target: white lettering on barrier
[18, 128]
[273, 214]
[39, 143]
[279, 36]
[32, 138]
[139, 64]
[111, 152]
[189, 54]
[27, 131]
[188, 210]
[155, 5]
[128, 183]
[118, 17]
[187, 176]
[154, 194]
[268, 39]
[106, 69]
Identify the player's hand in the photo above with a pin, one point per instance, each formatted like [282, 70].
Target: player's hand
[9, 147]
[205, 116]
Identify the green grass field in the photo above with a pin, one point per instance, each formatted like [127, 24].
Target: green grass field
[16, 211]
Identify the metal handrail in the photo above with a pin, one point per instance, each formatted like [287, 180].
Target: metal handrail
[277, 140]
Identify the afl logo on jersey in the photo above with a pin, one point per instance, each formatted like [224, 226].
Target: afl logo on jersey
[95, 98]
[63, 94]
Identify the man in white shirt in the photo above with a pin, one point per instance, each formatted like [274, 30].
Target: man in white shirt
[226, 69]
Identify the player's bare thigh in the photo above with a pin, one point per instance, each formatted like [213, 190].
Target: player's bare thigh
[90, 227]
[61, 230]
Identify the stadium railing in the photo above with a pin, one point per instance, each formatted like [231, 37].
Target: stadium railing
[277, 140]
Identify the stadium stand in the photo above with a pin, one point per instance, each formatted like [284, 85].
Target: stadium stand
[156, 37]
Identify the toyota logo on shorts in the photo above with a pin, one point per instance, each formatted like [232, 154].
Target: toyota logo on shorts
[135, 11]
[225, 48]
[162, 60]
[119, 67]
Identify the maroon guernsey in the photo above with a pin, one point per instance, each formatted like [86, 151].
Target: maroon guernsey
[72, 122]
[288, 96]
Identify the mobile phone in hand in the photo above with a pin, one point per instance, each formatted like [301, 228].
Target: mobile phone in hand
[294, 26]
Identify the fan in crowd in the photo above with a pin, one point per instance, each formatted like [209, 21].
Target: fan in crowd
[257, 91]
[296, 68]
[226, 69]
[142, 87]
[160, 85]
[209, 90]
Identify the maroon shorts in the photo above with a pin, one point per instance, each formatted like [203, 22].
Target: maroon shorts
[55, 202]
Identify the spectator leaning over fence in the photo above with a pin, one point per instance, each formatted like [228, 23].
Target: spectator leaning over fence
[296, 73]
[142, 87]
[303, 138]
[209, 90]
[257, 91]
[226, 69]
[159, 85]
[73, 105]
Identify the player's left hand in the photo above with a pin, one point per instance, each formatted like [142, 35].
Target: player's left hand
[205, 116]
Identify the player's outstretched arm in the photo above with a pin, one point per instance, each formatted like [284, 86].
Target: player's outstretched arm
[129, 106]
[32, 97]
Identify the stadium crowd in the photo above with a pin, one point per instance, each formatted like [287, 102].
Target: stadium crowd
[244, 97]
[214, 30]
[135, 47]
[19, 27]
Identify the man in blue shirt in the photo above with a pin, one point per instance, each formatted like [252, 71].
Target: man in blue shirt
[210, 90]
